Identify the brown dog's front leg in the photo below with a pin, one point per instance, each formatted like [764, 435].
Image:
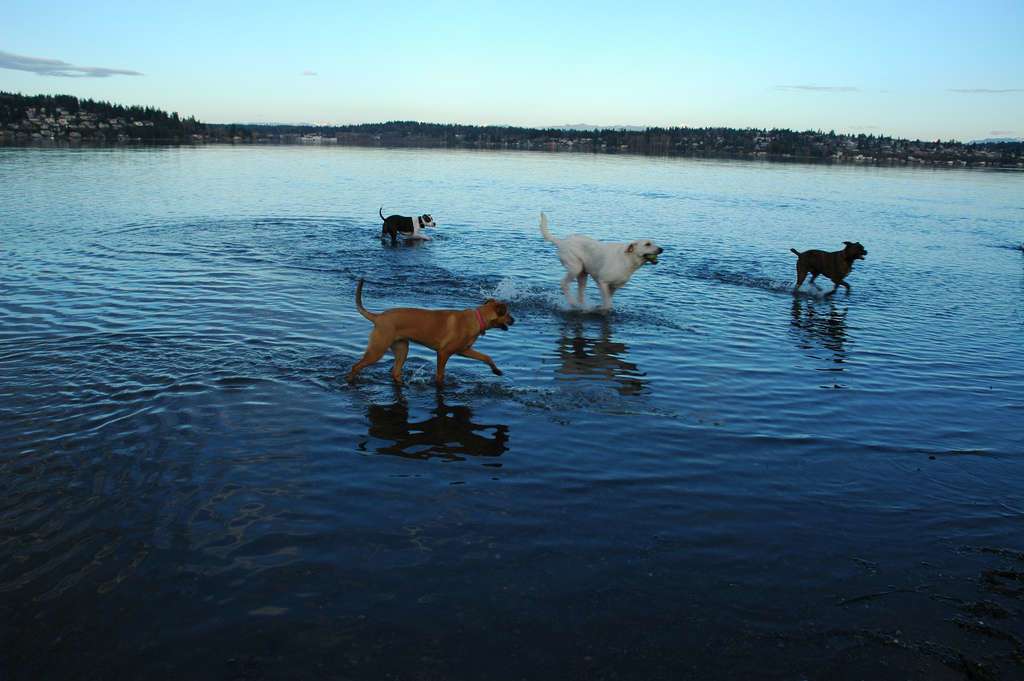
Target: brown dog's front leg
[473, 354]
[442, 360]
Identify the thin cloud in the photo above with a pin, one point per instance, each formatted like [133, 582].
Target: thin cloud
[307, 72]
[984, 90]
[819, 88]
[999, 133]
[58, 68]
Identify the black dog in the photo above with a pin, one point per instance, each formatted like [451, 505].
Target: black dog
[408, 227]
[835, 265]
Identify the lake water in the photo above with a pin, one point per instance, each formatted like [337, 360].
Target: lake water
[717, 479]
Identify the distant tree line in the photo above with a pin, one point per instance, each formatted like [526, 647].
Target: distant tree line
[155, 125]
[712, 142]
[14, 109]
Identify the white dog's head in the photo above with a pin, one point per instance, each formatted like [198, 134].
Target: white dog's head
[644, 251]
[427, 221]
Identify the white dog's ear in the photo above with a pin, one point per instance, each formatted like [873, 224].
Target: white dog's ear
[629, 248]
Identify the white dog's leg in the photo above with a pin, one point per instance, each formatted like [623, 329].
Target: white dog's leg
[581, 283]
[566, 281]
[606, 296]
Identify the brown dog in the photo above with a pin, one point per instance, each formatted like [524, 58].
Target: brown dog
[835, 265]
[449, 332]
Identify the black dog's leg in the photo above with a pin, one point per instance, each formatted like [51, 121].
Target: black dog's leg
[835, 289]
[847, 287]
[801, 274]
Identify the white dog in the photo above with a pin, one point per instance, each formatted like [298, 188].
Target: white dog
[611, 265]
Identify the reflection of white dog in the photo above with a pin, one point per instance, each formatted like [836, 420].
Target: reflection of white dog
[611, 265]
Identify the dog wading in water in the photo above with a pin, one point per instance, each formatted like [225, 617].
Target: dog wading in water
[408, 227]
[835, 265]
[448, 332]
[611, 265]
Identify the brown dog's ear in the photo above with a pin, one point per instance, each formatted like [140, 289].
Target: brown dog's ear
[501, 309]
[489, 301]
[848, 243]
[629, 249]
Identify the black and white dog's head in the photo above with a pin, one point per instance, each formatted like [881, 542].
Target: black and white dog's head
[427, 221]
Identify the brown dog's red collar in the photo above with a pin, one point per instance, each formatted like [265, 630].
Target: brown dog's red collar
[480, 320]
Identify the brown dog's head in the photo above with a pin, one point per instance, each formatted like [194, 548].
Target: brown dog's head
[854, 251]
[497, 315]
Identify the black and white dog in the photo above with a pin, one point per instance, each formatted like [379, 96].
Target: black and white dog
[406, 226]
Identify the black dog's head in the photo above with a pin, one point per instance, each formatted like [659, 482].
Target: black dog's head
[427, 221]
[854, 250]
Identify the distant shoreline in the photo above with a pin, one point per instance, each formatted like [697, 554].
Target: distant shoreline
[63, 119]
[753, 156]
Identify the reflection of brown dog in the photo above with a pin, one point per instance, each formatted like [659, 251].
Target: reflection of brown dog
[449, 332]
[448, 431]
[835, 265]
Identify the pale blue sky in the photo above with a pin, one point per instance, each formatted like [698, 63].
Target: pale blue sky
[912, 69]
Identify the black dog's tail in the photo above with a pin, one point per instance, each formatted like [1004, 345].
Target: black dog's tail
[381, 211]
[359, 303]
[795, 251]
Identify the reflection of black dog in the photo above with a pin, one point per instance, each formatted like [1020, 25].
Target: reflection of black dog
[829, 330]
[449, 432]
[406, 226]
[600, 358]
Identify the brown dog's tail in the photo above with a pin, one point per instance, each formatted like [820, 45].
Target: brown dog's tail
[359, 303]
[381, 211]
[796, 252]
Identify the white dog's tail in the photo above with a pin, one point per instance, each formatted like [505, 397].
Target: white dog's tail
[545, 232]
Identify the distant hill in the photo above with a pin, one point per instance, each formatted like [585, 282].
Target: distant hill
[63, 117]
[998, 140]
[588, 126]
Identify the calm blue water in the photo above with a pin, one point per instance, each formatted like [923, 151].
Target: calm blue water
[718, 479]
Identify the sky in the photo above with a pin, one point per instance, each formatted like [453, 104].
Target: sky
[928, 70]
